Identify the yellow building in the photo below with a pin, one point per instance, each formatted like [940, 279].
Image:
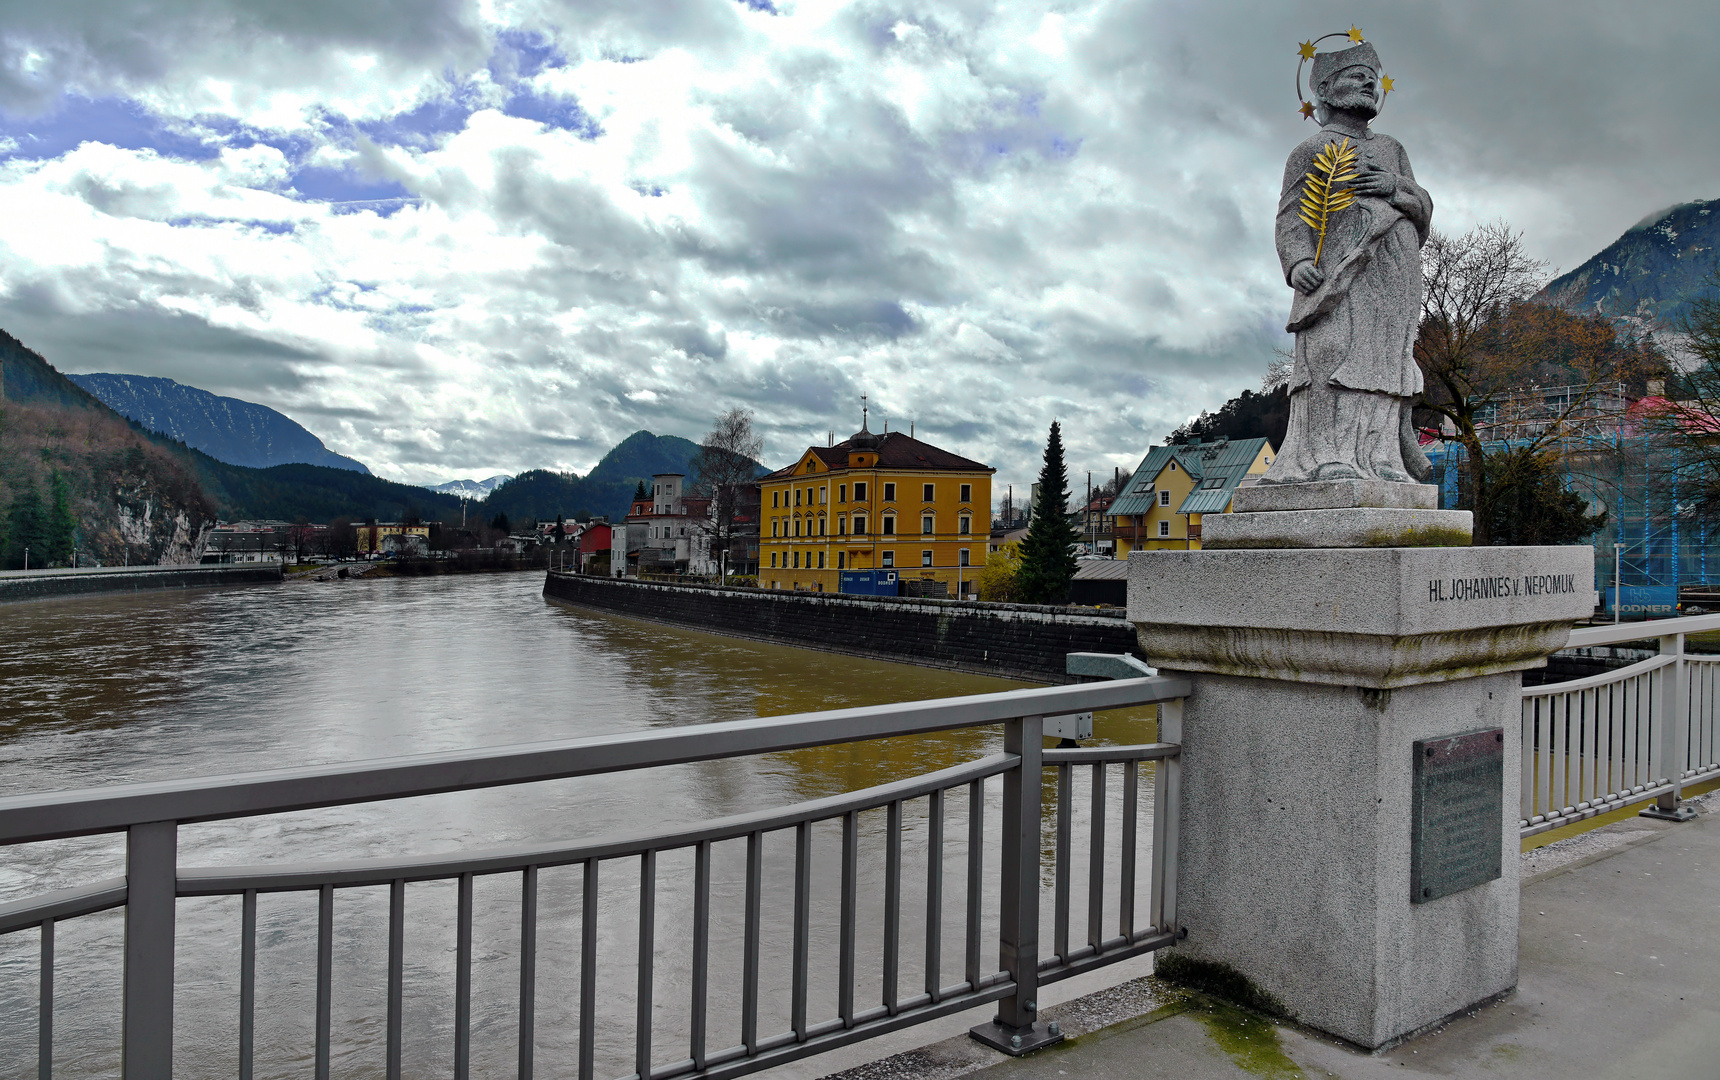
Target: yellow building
[1175, 486]
[874, 502]
[392, 536]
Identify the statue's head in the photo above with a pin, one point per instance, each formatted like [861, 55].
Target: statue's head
[1346, 81]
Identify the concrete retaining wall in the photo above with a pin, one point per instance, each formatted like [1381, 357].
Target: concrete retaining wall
[47, 584]
[1018, 641]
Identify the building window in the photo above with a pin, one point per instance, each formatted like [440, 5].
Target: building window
[841, 560]
[859, 524]
[1267, 459]
[773, 560]
[841, 493]
[841, 526]
[1164, 528]
[1164, 498]
[773, 525]
[926, 496]
[822, 527]
[797, 560]
[962, 558]
[860, 492]
[926, 524]
[889, 524]
[823, 495]
[889, 558]
[967, 493]
[797, 496]
[821, 560]
[964, 525]
[889, 492]
[797, 526]
[773, 500]
[1173, 466]
[925, 558]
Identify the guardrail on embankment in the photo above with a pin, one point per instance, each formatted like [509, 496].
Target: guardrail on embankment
[1023, 641]
[150, 816]
[1637, 734]
[47, 584]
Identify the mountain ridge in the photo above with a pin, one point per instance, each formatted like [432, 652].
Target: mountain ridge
[1650, 271]
[228, 429]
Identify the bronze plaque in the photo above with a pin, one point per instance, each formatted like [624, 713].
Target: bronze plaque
[1457, 814]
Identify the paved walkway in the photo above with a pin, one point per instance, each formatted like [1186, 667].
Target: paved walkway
[1620, 977]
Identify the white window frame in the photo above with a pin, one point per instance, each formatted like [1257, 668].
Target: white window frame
[1164, 528]
[928, 525]
[925, 558]
[1164, 498]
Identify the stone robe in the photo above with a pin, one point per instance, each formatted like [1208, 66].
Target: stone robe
[1355, 369]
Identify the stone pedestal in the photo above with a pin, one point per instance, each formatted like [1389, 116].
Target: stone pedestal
[1319, 675]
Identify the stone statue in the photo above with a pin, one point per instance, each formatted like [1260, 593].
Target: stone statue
[1357, 306]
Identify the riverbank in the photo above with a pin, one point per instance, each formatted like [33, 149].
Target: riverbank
[1017, 641]
[22, 585]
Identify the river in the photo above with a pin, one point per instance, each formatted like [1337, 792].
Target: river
[111, 689]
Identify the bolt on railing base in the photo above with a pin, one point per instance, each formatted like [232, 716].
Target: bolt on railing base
[1017, 1041]
[1660, 813]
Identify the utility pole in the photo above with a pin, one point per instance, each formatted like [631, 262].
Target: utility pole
[1089, 522]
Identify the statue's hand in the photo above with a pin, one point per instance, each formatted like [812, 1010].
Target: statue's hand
[1374, 181]
[1306, 277]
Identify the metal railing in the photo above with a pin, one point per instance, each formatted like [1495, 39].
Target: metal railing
[150, 815]
[1638, 734]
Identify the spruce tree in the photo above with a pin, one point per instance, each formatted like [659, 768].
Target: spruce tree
[26, 528]
[1047, 563]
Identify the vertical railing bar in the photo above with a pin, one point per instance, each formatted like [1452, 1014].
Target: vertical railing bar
[247, 982]
[850, 882]
[325, 977]
[588, 973]
[1130, 840]
[45, 1005]
[647, 956]
[396, 972]
[151, 872]
[1096, 862]
[934, 892]
[753, 942]
[1019, 867]
[1060, 938]
[802, 927]
[463, 980]
[892, 906]
[528, 971]
[975, 878]
[701, 951]
[1526, 710]
[1556, 744]
[1167, 807]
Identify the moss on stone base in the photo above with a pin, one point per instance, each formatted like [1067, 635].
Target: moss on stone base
[1219, 980]
[1423, 536]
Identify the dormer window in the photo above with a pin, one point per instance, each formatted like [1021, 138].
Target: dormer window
[1173, 466]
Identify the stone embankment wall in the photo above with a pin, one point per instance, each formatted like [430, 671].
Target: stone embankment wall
[1020, 641]
[46, 584]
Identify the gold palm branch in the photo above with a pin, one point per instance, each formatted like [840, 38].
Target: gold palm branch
[1323, 193]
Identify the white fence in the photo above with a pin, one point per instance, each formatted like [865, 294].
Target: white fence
[1641, 733]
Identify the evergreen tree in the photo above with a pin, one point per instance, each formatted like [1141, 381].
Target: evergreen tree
[1047, 563]
[639, 492]
[61, 526]
[26, 527]
[1532, 506]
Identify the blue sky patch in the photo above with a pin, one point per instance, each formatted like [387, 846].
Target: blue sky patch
[552, 111]
[113, 121]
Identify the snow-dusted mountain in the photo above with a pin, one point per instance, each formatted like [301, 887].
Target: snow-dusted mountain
[1651, 271]
[472, 489]
[227, 429]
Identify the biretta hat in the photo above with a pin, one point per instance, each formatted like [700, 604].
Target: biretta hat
[1327, 64]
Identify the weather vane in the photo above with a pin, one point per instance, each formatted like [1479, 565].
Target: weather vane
[1306, 53]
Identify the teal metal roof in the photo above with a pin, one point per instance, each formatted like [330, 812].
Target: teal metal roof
[1216, 467]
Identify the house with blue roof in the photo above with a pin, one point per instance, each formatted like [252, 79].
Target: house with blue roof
[1175, 486]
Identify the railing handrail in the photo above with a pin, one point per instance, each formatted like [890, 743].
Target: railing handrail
[57, 814]
[1589, 636]
[1605, 678]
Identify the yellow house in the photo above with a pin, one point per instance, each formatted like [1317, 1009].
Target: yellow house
[1175, 486]
[874, 502]
[386, 535]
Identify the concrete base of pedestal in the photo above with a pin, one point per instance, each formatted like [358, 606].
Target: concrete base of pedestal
[1294, 867]
[1314, 673]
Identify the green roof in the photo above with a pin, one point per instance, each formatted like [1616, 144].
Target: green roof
[1216, 467]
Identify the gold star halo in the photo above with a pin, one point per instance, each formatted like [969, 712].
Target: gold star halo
[1305, 52]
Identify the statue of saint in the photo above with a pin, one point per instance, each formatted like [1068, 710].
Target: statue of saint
[1358, 290]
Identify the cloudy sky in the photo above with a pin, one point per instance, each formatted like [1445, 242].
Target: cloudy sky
[458, 238]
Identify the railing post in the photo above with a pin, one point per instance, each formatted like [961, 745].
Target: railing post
[1167, 812]
[1016, 1030]
[1673, 684]
[151, 870]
